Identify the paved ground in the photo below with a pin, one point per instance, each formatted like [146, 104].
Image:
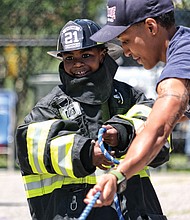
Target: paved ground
[173, 190]
[13, 204]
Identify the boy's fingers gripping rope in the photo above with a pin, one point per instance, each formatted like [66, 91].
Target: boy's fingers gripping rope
[104, 151]
[88, 208]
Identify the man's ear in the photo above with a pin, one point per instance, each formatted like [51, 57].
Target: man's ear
[151, 25]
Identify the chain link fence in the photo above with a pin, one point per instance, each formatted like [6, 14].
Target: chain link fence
[28, 29]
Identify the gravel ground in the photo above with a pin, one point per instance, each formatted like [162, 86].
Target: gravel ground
[173, 190]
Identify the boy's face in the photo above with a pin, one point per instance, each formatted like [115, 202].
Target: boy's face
[80, 63]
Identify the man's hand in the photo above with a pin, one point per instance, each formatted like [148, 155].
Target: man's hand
[98, 158]
[110, 137]
[107, 185]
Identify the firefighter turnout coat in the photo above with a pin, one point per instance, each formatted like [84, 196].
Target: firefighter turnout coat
[55, 151]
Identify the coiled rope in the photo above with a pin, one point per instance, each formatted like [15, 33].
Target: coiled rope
[88, 208]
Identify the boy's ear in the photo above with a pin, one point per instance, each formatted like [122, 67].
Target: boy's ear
[103, 54]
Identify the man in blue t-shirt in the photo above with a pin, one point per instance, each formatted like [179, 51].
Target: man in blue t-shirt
[148, 34]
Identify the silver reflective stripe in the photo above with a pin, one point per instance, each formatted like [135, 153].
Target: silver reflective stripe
[61, 155]
[37, 134]
[35, 149]
[44, 182]
[61, 159]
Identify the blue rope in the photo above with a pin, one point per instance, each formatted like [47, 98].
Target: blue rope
[104, 151]
[88, 208]
[117, 205]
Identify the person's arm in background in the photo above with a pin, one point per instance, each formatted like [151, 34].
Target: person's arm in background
[173, 97]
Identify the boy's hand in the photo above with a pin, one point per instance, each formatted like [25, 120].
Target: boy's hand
[110, 137]
[98, 158]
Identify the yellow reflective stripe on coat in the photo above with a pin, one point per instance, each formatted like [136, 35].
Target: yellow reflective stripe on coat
[41, 184]
[144, 173]
[38, 185]
[134, 114]
[60, 150]
[139, 110]
[36, 141]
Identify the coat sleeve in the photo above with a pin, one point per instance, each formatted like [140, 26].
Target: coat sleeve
[52, 145]
[126, 134]
[136, 116]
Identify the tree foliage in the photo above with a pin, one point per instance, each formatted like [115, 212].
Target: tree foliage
[35, 23]
[27, 30]
[182, 4]
[43, 17]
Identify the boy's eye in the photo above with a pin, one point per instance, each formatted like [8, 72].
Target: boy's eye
[86, 55]
[71, 58]
[68, 58]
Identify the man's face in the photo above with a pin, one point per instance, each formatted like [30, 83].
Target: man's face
[80, 63]
[139, 42]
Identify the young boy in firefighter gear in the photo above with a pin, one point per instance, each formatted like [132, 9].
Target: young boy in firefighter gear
[57, 146]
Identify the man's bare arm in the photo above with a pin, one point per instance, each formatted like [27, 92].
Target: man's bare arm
[168, 109]
[173, 97]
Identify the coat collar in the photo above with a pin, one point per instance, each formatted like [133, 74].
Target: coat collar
[94, 89]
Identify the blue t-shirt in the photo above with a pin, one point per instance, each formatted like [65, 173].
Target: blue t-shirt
[178, 57]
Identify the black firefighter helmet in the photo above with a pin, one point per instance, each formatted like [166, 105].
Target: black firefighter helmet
[75, 35]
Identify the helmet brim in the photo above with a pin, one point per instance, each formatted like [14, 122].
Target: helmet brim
[55, 54]
[115, 51]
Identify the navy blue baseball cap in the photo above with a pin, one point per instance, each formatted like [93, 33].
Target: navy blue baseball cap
[121, 14]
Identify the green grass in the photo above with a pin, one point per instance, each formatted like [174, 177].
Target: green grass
[3, 161]
[178, 162]
[4, 164]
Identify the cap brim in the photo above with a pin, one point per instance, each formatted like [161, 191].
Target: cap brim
[107, 33]
[54, 54]
[115, 51]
